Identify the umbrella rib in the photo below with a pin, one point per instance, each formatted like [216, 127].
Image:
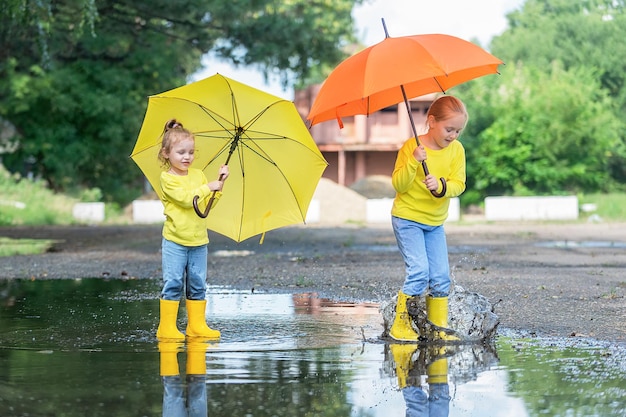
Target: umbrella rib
[439, 85]
[268, 137]
[261, 154]
[218, 119]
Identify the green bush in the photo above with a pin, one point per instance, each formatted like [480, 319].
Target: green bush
[609, 207]
[27, 202]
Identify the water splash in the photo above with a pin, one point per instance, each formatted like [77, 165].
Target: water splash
[471, 317]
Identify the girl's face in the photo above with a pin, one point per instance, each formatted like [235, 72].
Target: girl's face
[181, 156]
[446, 131]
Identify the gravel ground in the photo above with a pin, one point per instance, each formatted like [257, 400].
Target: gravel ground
[549, 280]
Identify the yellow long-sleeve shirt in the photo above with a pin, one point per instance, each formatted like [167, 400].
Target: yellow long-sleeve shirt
[413, 200]
[182, 224]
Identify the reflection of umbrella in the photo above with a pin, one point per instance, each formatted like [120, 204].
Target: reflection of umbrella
[275, 165]
[396, 70]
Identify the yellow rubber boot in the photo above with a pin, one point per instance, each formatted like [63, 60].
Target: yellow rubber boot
[402, 328]
[168, 358]
[438, 371]
[402, 354]
[168, 313]
[196, 357]
[196, 321]
[437, 313]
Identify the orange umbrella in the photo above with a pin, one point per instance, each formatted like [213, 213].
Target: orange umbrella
[396, 70]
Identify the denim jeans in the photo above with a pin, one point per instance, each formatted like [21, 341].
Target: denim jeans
[184, 268]
[425, 253]
[174, 404]
[419, 404]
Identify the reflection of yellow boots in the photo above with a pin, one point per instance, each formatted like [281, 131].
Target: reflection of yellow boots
[168, 312]
[437, 312]
[402, 328]
[168, 358]
[402, 356]
[196, 357]
[196, 321]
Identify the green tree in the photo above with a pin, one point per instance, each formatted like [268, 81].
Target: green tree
[78, 93]
[580, 33]
[550, 123]
[576, 33]
[545, 131]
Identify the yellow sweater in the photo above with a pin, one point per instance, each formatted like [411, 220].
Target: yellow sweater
[182, 224]
[413, 200]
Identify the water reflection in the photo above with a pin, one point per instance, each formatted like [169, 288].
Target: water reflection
[261, 321]
[188, 399]
[87, 347]
[423, 373]
[422, 402]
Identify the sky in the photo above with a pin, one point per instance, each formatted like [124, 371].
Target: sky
[466, 19]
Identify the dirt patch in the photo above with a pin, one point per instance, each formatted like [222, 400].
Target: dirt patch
[563, 280]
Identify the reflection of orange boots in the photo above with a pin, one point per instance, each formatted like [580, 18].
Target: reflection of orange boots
[196, 321]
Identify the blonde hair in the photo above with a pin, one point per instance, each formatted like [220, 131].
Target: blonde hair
[173, 132]
[445, 107]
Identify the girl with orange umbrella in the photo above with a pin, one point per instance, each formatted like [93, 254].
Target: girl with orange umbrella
[418, 215]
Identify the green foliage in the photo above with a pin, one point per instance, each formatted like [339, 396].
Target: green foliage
[90, 195]
[610, 207]
[23, 201]
[576, 33]
[257, 29]
[551, 131]
[13, 247]
[551, 123]
[77, 95]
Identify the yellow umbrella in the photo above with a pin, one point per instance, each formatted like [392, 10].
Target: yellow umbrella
[274, 163]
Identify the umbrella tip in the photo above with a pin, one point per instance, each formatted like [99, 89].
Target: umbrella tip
[384, 27]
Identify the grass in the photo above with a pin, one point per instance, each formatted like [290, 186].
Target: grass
[610, 207]
[613, 294]
[303, 281]
[26, 202]
[12, 247]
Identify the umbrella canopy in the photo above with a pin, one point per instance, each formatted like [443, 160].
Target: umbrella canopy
[396, 70]
[274, 163]
[370, 80]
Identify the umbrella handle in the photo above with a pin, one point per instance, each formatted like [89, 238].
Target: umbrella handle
[199, 212]
[442, 179]
[443, 190]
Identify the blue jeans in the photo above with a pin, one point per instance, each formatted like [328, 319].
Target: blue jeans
[174, 404]
[183, 268]
[425, 253]
[418, 404]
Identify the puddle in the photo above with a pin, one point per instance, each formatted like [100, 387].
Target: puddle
[87, 347]
[589, 244]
